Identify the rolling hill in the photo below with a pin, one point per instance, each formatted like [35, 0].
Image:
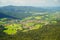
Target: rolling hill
[25, 11]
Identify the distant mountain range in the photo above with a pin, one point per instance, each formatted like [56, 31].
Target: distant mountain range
[28, 8]
[24, 11]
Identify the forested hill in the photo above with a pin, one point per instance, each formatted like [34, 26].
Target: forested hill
[2, 15]
[25, 11]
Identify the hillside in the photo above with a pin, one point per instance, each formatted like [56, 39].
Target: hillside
[30, 28]
[25, 11]
[29, 23]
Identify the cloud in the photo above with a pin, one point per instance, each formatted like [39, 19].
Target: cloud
[30, 2]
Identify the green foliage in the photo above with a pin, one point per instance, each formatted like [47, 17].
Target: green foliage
[43, 27]
[12, 28]
[1, 28]
[53, 22]
[3, 19]
[2, 22]
[38, 17]
[37, 26]
[30, 24]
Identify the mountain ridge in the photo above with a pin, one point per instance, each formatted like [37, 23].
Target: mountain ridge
[24, 11]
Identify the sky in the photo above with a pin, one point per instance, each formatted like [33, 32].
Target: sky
[36, 3]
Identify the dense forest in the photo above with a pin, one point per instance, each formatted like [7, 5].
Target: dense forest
[29, 23]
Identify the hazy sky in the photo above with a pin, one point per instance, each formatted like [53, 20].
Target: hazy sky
[37, 3]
